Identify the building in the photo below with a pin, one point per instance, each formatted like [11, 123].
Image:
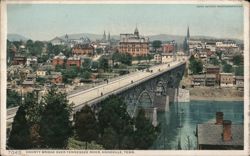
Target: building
[226, 79]
[83, 49]
[221, 135]
[59, 59]
[169, 47]
[74, 61]
[210, 79]
[55, 77]
[167, 57]
[158, 58]
[134, 44]
[41, 73]
[28, 83]
[19, 60]
[31, 61]
[239, 82]
[226, 44]
[211, 69]
[57, 41]
[211, 45]
[198, 80]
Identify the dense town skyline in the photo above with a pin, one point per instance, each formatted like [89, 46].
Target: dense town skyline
[45, 21]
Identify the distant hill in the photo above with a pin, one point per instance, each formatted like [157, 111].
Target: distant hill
[165, 37]
[92, 37]
[16, 37]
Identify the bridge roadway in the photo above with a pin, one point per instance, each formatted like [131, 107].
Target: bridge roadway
[98, 93]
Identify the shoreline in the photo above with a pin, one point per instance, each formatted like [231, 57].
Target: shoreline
[202, 98]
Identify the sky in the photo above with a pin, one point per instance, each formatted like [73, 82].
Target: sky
[45, 21]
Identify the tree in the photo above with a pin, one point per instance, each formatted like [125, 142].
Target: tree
[20, 134]
[33, 115]
[237, 60]
[86, 125]
[145, 133]
[29, 116]
[103, 63]
[156, 44]
[86, 75]
[219, 53]
[94, 65]
[110, 138]
[99, 51]
[86, 63]
[13, 98]
[55, 120]
[124, 58]
[114, 119]
[227, 68]
[195, 66]
[239, 71]
[214, 61]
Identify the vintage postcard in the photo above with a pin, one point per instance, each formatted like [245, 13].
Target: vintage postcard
[124, 78]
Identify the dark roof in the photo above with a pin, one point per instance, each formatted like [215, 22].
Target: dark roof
[212, 66]
[25, 82]
[211, 134]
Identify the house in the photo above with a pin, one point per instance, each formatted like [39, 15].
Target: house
[28, 83]
[31, 61]
[211, 69]
[158, 58]
[211, 46]
[55, 77]
[74, 61]
[59, 59]
[210, 79]
[19, 60]
[226, 79]
[83, 49]
[221, 135]
[239, 82]
[41, 73]
[198, 80]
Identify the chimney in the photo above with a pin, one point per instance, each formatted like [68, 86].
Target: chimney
[219, 118]
[227, 134]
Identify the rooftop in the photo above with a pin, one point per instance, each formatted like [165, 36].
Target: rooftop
[211, 134]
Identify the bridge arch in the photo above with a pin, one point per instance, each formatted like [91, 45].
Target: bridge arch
[144, 99]
[160, 88]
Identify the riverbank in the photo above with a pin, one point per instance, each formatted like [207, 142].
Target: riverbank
[216, 94]
[199, 98]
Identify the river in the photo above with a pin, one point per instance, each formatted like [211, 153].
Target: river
[178, 127]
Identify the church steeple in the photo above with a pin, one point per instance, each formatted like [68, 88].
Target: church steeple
[104, 36]
[136, 31]
[188, 35]
[67, 37]
[109, 37]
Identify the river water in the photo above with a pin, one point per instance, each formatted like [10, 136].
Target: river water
[178, 126]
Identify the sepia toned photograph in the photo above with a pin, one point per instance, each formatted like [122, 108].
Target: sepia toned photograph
[121, 78]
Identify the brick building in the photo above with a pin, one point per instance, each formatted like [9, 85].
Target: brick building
[74, 61]
[83, 49]
[211, 69]
[169, 47]
[134, 44]
[59, 59]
